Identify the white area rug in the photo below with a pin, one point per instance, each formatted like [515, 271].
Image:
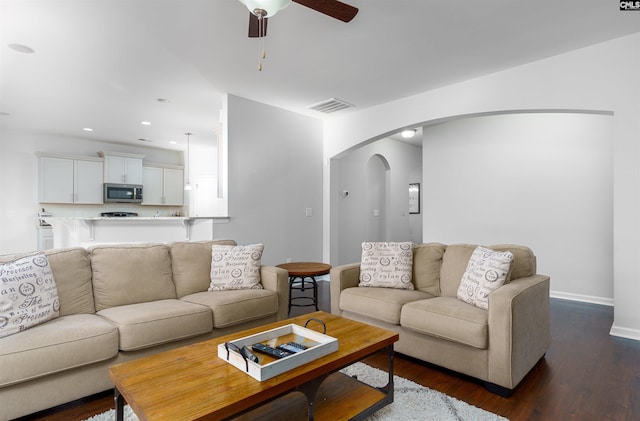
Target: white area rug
[411, 401]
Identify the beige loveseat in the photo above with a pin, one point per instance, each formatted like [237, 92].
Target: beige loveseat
[120, 302]
[499, 345]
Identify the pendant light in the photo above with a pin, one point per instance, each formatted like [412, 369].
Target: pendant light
[187, 185]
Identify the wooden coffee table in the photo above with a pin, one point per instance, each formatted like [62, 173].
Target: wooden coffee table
[192, 383]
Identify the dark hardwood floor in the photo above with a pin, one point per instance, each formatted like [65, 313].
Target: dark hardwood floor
[586, 374]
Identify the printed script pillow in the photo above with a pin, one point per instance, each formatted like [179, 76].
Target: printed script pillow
[28, 294]
[486, 271]
[235, 267]
[386, 265]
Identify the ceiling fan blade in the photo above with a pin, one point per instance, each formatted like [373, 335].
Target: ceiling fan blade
[254, 26]
[334, 8]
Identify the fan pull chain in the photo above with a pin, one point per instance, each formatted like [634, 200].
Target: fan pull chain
[262, 53]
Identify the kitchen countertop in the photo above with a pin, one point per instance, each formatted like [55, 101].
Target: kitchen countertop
[73, 224]
[131, 218]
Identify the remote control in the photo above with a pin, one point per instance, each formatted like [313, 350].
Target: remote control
[275, 353]
[292, 347]
[249, 355]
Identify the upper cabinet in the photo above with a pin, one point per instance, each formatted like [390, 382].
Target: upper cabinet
[163, 185]
[121, 168]
[65, 179]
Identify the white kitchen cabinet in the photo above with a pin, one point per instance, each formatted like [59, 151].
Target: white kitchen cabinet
[88, 181]
[122, 168]
[69, 180]
[163, 185]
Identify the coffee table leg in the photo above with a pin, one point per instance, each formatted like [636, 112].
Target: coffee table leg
[310, 389]
[119, 399]
[390, 387]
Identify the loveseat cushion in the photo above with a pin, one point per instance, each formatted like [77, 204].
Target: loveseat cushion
[191, 264]
[379, 303]
[57, 345]
[131, 273]
[71, 270]
[387, 265]
[427, 262]
[144, 325]
[233, 307]
[454, 263]
[448, 318]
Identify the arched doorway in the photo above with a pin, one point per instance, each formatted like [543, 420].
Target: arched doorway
[377, 197]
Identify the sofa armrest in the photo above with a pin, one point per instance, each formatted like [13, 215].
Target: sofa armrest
[277, 279]
[519, 329]
[345, 276]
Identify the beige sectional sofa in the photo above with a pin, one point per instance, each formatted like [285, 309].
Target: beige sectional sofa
[120, 302]
[499, 345]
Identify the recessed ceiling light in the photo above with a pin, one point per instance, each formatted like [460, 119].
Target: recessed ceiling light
[145, 123]
[408, 134]
[173, 142]
[22, 48]
[87, 129]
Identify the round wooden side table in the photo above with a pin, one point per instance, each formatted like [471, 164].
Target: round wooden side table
[299, 272]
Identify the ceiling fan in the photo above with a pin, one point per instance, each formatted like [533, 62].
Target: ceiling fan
[261, 10]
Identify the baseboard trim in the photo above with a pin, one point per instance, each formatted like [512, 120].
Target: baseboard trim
[625, 332]
[582, 298]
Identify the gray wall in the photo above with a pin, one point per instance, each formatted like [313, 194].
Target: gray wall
[274, 175]
[542, 180]
[354, 212]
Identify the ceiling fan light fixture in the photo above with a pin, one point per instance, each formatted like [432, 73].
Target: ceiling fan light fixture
[265, 7]
[408, 134]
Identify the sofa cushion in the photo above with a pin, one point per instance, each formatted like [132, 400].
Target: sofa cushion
[144, 325]
[486, 271]
[379, 303]
[131, 273]
[191, 264]
[235, 267]
[72, 271]
[57, 345]
[233, 307]
[28, 294]
[427, 262]
[454, 263]
[386, 265]
[448, 318]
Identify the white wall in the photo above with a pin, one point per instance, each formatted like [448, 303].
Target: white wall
[19, 182]
[603, 77]
[542, 180]
[274, 173]
[352, 212]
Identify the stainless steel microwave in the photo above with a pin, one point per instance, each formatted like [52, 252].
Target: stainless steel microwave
[122, 193]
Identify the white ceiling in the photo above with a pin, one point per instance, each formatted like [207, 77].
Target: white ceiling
[104, 63]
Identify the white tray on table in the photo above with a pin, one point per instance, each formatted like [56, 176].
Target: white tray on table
[318, 345]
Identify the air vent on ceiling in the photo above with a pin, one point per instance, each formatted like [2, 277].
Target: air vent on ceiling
[330, 105]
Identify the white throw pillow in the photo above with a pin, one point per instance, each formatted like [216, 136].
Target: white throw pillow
[486, 271]
[235, 267]
[28, 294]
[386, 265]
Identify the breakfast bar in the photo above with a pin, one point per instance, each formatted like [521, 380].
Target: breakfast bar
[84, 232]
